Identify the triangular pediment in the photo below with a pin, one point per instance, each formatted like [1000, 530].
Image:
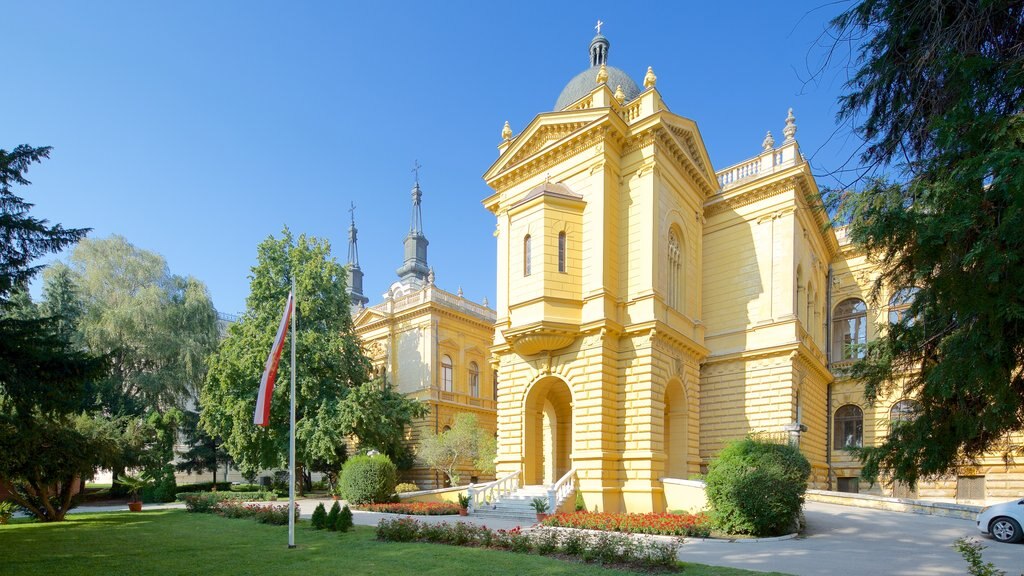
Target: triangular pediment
[682, 134]
[367, 316]
[545, 132]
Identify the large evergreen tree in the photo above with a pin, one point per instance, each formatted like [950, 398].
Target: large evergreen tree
[329, 360]
[938, 98]
[45, 444]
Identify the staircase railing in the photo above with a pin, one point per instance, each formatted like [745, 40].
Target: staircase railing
[561, 489]
[482, 494]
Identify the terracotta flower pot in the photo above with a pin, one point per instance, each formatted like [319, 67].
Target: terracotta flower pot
[135, 506]
[463, 512]
[541, 516]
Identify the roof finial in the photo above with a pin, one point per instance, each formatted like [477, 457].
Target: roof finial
[602, 74]
[769, 142]
[620, 96]
[790, 129]
[599, 48]
[650, 78]
[460, 292]
[506, 132]
[598, 27]
[416, 170]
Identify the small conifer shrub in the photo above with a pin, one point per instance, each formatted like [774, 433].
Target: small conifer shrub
[345, 519]
[333, 517]
[319, 517]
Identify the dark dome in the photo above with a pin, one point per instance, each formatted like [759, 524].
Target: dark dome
[585, 82]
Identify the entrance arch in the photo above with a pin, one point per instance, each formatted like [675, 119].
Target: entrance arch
[547, 431]
[676, 433]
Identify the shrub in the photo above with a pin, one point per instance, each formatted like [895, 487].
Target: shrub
[206, 487]
[243, 487]
[319, 519]
[203, 502]
[235, 496]
[345, 519]
[162, 489]
[581, 506]
[756, 487]
[406, 487]
[264, 513]
[332, 517]
[368, 479]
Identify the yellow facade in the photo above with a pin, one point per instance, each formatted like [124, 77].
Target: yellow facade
[650, 309]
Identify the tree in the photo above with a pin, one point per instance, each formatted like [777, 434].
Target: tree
[45, 443]
[329, 359]
[938, 96]
[378, 417]
[205, 453]
[157, 328]
[463, 444]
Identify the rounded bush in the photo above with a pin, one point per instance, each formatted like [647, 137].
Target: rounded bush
[368, 479]
[757, 487]
[406, 487]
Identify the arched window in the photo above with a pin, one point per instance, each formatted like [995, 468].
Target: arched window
[903, 411]
[446, 373]
[526, 255]
[474, 380]
[675, 271]
[561, 251]
[849, 329]
[899, 305]
[848, 428]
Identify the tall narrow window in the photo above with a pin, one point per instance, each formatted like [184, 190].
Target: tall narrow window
[446, 373]
[849, 329]
[848, 429]
[561, 251]
[494, 377]
[526, 255]
[675, 271]
[474, 380]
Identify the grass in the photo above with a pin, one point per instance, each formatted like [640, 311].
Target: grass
[168, 542]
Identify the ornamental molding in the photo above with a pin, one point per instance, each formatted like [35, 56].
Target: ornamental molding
[566, 149]
[716, 206]
[686, 155]
[542, 137]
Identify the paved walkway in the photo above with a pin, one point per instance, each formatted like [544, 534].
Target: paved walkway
[840, 541]
[848, 541]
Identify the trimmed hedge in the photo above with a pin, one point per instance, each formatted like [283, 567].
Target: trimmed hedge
[368, 479]
[757, 487]
[406, 487]
[262, 495]
[202, 487]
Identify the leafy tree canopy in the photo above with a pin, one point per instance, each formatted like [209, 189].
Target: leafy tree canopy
[331, 366]
[465, 444]
[938, 98]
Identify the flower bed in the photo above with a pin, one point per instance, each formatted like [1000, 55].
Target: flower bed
[414, 508]
[694, 525]
[605, 549]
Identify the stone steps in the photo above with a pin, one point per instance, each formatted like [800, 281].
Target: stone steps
[516, 506]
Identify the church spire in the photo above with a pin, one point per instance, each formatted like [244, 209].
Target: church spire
[415, 266]
[355, 274]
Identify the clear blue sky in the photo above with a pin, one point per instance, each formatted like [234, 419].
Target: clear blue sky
[196, 129]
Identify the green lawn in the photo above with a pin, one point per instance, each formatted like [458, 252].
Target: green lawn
[167, 542]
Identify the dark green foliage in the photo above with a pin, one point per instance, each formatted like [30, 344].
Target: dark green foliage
[163, 488]
[345, 519]
[756, 487]
[209, 486]
[333, 517]
[319, 519]
[970, 550]
[258, 496]
[939, 92]
[368, 479]
[581, 506]
[205, 453]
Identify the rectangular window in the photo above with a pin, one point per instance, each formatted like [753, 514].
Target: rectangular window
[446, 378]
[474, 384]
[526, 255]
[849, 484]
[970, 488]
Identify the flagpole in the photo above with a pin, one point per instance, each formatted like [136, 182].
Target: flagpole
[291, 436]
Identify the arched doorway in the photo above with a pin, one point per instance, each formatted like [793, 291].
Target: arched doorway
[548, 432]
[675, 431]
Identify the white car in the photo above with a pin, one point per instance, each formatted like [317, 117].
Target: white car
[1003, 521]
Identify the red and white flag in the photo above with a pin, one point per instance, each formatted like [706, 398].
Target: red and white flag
[262, 415]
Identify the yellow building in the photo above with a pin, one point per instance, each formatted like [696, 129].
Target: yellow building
[430, 344]
[651, 309]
